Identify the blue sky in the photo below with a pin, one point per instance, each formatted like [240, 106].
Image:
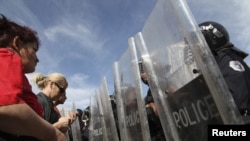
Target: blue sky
[83, 38]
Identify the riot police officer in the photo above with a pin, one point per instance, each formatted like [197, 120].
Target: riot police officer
[155, 127]
[231, 63]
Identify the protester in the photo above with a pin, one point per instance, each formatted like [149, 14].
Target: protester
[156, 130]
[62, 98]
[52, 88]
[20, 111]
[231, 63]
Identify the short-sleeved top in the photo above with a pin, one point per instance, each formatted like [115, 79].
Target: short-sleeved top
[50, 114]
[14, 85]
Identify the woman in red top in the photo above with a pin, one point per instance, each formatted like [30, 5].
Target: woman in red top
[20, 112]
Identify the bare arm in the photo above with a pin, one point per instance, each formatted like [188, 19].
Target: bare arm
[20, 119]
[64, 122]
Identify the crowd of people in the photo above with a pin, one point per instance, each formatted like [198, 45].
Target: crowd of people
[22, 111]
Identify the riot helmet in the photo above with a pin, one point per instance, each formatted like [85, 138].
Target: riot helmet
[215, 34]
[218, 39]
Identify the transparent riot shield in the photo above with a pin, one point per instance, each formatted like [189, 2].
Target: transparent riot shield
[75, 126]
[96, 127]
[126, 74]
[119, 105]
[63, 113]
[185, 81]
[108, 115]
[138, 89]
[102, 117]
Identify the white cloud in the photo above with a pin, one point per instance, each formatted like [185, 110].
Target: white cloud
[84, 34]
[78, 80]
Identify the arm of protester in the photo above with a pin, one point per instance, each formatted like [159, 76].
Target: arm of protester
[20, 119]
[63, 123]
[73, 117]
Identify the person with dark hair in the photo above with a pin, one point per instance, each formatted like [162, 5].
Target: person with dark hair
[79, 115]
[231, 63]
[156, 130]
[86, 123]
[20, 111]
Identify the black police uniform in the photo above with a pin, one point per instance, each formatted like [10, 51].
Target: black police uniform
[231, 63]
[236, 74]
[156, 130]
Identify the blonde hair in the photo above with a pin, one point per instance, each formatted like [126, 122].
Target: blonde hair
[42, 81]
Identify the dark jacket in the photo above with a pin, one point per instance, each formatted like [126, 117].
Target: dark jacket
[236, 74]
